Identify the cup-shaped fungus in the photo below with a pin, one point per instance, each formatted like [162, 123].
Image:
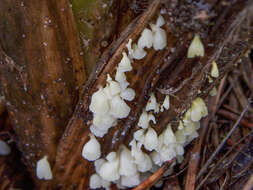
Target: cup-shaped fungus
[119, 109]
[127, 165]
[43, 169]
[151, 140]
[4, 148]
[146, 39]
[110, 169]
[127, 94]
[99, 102]
[196, 48]
[91, 150]
[214, 70]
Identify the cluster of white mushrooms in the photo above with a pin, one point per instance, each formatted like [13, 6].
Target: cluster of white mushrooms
[129, 167]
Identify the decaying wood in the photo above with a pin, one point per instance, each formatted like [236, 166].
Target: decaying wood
[41, 72]
[40, 121]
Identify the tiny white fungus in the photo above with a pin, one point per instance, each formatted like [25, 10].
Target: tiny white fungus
[139, 136]
[98, 132]
[166, 102]
[135, 52]
[125, 63]
[146, 39]
[169, 136]
[99, 102]
[160, 21]
[127, 165]
[91, 150]
[213, 92]
[156, 158]
[121, 78]
[151, 139]
[198, 109]
[109, 170]
[138, 53]
[151, 117]
[144, 120]
[152, 104]
[142, 160]
[95, 181]
[196, 48]
[130, 181]
[43, 169]
[114, 88]
[104, 121]
[4, 148]
[98, 163]
[159, 38]
[214, 70]
[119, 109]
[128, 94]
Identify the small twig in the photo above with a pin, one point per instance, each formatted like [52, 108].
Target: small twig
[234, 117]
[221, 160]
[155, 177]
[172, 184]
[209, 161]
[249, 184]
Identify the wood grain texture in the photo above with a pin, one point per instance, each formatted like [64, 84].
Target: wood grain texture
[41, 72]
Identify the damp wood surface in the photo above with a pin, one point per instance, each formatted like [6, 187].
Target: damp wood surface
[54, 57]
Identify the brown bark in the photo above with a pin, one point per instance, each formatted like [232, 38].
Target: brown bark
[169, 70]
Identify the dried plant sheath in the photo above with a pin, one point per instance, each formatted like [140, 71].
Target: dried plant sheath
[41, 71]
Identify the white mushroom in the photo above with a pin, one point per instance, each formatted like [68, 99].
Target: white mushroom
[151, 117]
[119, 109]
[160, 21]
[135, 52]
[156, 158]
[109, 170]
[103, 122]
[213, 92]
[91, 150]
[166, 102]
[139, 136]
[152, 104]
[214, 70]
[98, 163]
[43, 169]
[121, 78]
[114, 88]
[146, 39]
[99, 102]
[95, 181]
[98, 132]
[196, 48]
[159, 37]
[125, 63]
[130, 181]
[144, 120]
[169, 136]
[127, 165]
[198, 109]
[4, 148]
[151, 139]
[142, 160]
[128, 94]
[138, 53]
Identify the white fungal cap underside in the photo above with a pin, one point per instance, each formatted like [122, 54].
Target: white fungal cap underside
[4, 148]
[43, 169]
[129, 167]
